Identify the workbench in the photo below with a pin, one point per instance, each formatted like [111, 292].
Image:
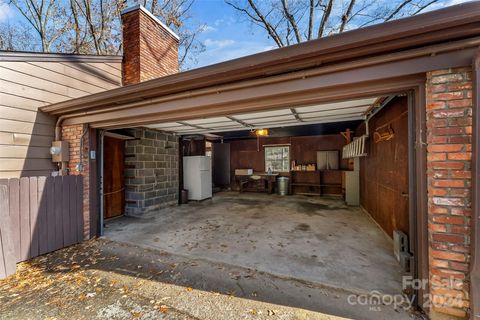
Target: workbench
[257, 182]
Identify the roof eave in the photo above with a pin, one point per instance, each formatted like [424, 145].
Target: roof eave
[26, 56]
[432, 27]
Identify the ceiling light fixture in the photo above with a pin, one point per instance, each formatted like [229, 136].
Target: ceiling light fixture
[261, 132]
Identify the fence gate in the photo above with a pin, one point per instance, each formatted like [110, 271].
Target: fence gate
[38, 215]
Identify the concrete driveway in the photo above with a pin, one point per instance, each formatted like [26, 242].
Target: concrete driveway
[102, 279]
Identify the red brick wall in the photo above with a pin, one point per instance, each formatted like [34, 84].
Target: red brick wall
[131, 47]
[449, 129]
[150, 51]
[72, 134]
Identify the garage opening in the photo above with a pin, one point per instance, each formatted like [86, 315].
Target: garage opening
[318, 193]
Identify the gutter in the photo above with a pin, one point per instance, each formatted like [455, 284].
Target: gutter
[26, 56]
[415, 53]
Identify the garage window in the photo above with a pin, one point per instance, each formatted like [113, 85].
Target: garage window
[277, 158]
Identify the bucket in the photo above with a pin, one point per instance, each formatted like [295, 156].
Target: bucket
[282, 186]
[184, 196]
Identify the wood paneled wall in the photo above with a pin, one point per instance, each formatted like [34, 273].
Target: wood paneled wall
[29, 83]
[303, 149]
[245, 154]
[384, 172]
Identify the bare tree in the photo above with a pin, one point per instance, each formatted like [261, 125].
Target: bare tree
[93, 26]
[295, 21]
[44, 17]
[14, 37]
[7, 36]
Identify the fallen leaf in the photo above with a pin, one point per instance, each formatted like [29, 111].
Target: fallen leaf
[164, 308]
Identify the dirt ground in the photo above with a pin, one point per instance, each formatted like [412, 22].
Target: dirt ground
[101, 279]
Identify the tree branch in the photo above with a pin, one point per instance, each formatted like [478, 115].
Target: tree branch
[291, 20]
[311, 16]
[397, 10]
[346, 15]
[326, 16]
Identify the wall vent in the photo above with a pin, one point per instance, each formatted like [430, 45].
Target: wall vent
[400, 243]
[401, 251]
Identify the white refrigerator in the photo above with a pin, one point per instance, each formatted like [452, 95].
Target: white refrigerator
[197, 177]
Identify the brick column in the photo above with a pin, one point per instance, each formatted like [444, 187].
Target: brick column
[150, 48]
[449, 130]
[72, 134]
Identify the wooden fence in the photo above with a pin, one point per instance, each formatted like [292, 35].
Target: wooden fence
[38, 215]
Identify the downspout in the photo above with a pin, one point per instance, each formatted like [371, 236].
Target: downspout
[58, 136]
[374, 112]
[58, 128]
[475, 228]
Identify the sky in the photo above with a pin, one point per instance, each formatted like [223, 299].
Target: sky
[227, 34]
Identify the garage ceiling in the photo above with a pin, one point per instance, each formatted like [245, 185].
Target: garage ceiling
[304, 115]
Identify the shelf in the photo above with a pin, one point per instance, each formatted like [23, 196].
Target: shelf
[316, 183]
[307, 194]
[307, 184]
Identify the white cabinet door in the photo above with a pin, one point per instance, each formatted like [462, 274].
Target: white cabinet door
[332, 157]
[327, 160]
[322, 160]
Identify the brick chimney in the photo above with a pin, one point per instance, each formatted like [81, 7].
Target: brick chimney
[150, 48]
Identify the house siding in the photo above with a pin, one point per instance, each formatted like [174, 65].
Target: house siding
[32, 82]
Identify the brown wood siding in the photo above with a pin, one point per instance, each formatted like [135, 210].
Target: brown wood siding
[25, 133]
[384, 172]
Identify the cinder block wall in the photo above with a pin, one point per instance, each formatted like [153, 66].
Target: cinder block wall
[151, 177]
[449, 151]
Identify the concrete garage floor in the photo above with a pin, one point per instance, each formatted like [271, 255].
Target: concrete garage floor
[313, 239]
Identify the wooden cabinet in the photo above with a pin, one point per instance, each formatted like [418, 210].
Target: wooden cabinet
[328, 160]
